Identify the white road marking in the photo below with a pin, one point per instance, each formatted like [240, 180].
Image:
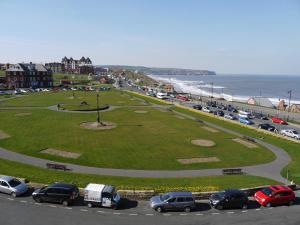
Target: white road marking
[257, 209]
[230, 212]
[23, 201]
[199, 214]
[83, 210]
[37, 203]
[149, 214]
[215, 213]
[183, 214]
[10, 199]
[66, 207]
[133, 214]
[167, 214]
[52, 206]
[116, 213]
[99, 211]
[244, 211]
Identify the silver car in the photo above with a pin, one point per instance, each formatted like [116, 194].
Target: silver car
[173, 201]
[12, 186]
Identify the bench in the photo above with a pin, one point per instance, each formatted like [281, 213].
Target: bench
[56, 166]
[236, 171]
[249, 138]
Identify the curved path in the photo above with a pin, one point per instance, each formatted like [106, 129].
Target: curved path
[269, 170]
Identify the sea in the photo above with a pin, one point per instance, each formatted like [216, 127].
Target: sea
[237, 87]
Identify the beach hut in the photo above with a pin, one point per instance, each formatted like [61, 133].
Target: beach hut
[260, 101]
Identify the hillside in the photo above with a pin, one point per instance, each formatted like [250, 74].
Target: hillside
[161, 71]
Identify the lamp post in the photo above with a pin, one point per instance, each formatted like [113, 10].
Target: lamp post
[98, 114]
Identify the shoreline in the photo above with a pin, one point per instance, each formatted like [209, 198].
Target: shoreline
[192, 87]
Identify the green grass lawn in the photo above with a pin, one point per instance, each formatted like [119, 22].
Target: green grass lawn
[138, 141]
[39, 175]
[2, 73]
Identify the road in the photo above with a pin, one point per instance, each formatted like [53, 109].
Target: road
[25, 211]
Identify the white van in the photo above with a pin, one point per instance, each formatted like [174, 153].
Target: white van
[245, 114]
[162, 95]
[101, 195]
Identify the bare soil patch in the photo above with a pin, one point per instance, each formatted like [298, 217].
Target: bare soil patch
[3, 135]
[210, 129]
[180, 117]
[245, 143]
[97, 126]
[203, 142]
[65, 154]
[198, 160]
[140, 111]
[23, 114]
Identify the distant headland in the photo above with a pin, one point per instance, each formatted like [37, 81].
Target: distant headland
[161, 71]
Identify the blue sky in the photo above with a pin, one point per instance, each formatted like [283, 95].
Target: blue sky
[229, 36]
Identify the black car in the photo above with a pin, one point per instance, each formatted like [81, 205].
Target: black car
[261, 116]
[57, 193]
[198, 107]
[229, 199]
[266, 126]
[219, 113]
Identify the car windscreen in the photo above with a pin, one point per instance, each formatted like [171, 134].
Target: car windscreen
[267, 191]
[294, 132]
[164, 197]
[14, 182]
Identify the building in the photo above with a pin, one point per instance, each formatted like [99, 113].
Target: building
[28, 75]
[55, 67]
[82, 66]
[260, 101]
[295, 108]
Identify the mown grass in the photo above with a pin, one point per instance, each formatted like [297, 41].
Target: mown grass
[39, 175]
[292, 148]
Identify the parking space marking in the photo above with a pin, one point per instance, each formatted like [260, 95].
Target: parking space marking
[230, 212]
[11, 199]
[257, 209]
[83, 210]
[99, 211]
[52, 206]
[117, 213]
[244, 211]
[149, 214]
[22, 201]
[132, 214]
[167, 214]
[199, 214]
[37, 203]
[183, 214]
[215, 213]
[67, 208]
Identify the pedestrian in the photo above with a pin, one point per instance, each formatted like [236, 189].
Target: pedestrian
[58, 106]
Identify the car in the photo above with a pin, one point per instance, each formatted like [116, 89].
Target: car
[206, 109]
[62, 193]
[229, 199]
[245, 121]
[211, 104]
[290, 133]
[182, 98]
[230, 117]
[260, 116]
[198, 107]
[173, 201]
[219, 113]
[275, 195]
[223, 107]
[278, 120]
[12, 186]
[266, 126]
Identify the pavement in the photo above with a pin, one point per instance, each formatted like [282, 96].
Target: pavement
[25, 211]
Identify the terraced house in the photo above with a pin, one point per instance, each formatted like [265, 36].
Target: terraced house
[26, 75]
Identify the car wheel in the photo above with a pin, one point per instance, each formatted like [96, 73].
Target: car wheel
[65, 203]
[90, 205]
[219, 207]
[13, 194]
[259, 127]
[38, 200]
[268, 205]
[245, 206]
[291, 203]
[187, 209]
[159, 209]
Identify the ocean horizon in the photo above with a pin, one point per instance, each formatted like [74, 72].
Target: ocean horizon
[237, 87]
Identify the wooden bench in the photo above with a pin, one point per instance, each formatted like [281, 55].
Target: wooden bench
[249, 138]
[56, 166]
[235, 171]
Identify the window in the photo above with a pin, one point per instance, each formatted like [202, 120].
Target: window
[172, 200]
[180, 199]
[3, 183]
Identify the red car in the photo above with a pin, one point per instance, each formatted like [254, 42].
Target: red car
[182, 97]
[275, 195]
[278, 120]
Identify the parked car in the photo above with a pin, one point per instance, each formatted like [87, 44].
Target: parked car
[65, 194]
[12, 186]
[232, 109]
[182, 98]
[275, 195]
[206, 109]
[173, 201]
[211, 104]
[230, 117]
[162, 95]
[245, 121]
[278, 120]
[229, 199]
[198, 107]
[219, 113]
[266, 126]
[101, 195]
[290, 133]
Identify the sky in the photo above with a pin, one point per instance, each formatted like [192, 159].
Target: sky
[226, 36]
